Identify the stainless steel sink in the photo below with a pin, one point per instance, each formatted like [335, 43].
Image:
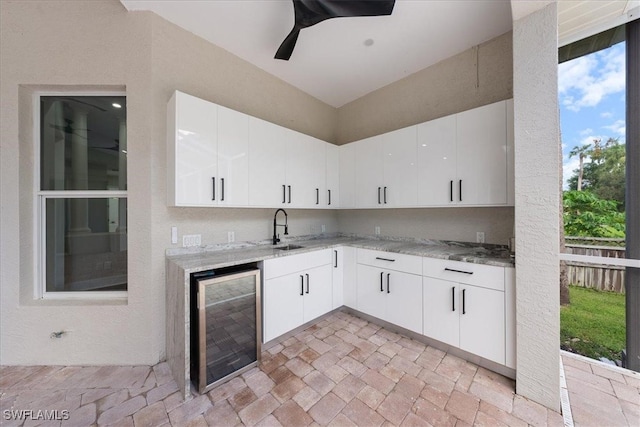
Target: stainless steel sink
[288, 247]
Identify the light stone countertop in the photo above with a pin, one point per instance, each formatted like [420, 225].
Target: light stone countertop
[218, 256]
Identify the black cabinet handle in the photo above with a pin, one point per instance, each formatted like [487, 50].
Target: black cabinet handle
[385, 195]
[329, 196]
[458, 271]
[307, 282]
[460, 190]
[336, 263]
[381, 275]
[289, 193]
[453, 298]
[222, 185]
[213, 186]
[464, 308]
[385, 259]
[379, 195]
[388, 280]
[317, 196]
[451, 191]
[284, 193]
[301, 285]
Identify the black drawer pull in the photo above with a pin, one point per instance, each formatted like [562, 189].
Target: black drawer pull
[284, 194]
[458, 271]
[388, 277]
[464, 308]
[307, 282]
[379, 195]
[385, 259]
[289, 193]
[453, 298]
[213, 186]
[381, 274]
[222, 184]
[336, 254]
[317, 196]
[301, 285]
[329, 196]
[451, 191]
[460, 190]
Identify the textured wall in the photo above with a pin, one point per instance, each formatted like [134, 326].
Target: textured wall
[98, 44]
[444, 88]
[537, 156]
[459, 224]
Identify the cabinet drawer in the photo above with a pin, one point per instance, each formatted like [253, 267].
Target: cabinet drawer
[486, 276]
[390, 261]
[293, 263]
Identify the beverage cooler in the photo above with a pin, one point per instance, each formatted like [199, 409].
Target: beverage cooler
[225, 324]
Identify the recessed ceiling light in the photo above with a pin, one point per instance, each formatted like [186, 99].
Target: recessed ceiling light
[116, 105]
[368, 42]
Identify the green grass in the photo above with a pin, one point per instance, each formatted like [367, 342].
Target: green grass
[594, 324]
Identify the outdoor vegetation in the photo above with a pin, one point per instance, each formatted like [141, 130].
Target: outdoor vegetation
[594, 324]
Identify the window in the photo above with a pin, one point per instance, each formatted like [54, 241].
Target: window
[82, 194]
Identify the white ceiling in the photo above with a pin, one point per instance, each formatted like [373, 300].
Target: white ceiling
[330, 60]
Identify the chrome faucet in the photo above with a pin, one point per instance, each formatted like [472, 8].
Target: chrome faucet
[276, 238]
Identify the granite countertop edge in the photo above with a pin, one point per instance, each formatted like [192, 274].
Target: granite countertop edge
[193, 260]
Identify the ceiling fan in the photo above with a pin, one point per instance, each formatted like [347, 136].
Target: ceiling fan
[310, 12]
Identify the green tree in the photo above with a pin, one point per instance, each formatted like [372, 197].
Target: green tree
[585, 214]
[604, 174]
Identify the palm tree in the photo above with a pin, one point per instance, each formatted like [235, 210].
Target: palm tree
[582, 152]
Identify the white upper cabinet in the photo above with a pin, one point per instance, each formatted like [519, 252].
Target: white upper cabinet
[331, 196]
[482, 155]
[369, 172]
[436, 161]
[267, 164]
[233, 157]
[347, 154]
[463, 158]
[192, 146]
[400, 168]
[306, 170]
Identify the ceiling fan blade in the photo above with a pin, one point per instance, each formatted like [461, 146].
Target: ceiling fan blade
[311, 12]
[286, 48]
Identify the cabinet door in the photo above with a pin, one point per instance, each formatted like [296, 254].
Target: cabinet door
[441, 306]
[233, 157]
[347, 154]
[369, 172]
[437, 161]
[482, 328]
[195, 151]
[305, 170]
[337, 271]
[318, 292]
[511, 193]
[267, 164]
[400, 167]
[371, 294]
[283, 305]
[482, 155]
[331, 196]
[349, 285]
[404, 300]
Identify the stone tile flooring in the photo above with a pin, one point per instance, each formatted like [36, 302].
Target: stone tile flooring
[342, 371]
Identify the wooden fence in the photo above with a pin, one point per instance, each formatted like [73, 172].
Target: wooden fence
[600, 277]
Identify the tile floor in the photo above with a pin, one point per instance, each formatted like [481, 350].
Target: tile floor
[343, 371]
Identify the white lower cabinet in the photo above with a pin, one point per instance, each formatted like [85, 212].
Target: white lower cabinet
[296, 289]
[388, 294]
[468, 315]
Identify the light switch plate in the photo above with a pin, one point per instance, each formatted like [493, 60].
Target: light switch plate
[377, 230]
[231, 236]
[174, 235]
[480, 237]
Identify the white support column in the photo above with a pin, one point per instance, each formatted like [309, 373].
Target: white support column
[537, 205]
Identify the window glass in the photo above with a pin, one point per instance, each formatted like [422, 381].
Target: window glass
[83, 144]
[86, 244]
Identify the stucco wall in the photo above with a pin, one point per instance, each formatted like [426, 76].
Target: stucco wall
[450, 86]
[98, 44]
[537, 144]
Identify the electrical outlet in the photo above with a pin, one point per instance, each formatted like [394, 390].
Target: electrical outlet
[191, 240]
[480, 237]
[313, 229]
[231, 236]
[377, 230]
[324, 228]
[174, 235]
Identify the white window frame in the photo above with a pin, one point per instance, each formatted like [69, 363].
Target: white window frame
[39, 211]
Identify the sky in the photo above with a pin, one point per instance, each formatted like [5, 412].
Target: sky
[591, 91]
